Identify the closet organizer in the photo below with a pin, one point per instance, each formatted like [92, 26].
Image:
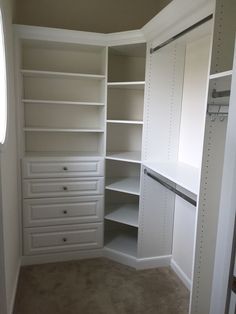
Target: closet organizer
[111, 138]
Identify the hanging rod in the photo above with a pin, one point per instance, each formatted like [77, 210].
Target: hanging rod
[171, 188]
[219, 94]
[187, 30]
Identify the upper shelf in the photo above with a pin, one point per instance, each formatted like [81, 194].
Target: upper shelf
[37, 73]
[61, 102]
[179, 173]
[64, 130]
[128, 85]
[220, 74]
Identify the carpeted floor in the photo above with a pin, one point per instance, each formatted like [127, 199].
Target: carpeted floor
[99, 286]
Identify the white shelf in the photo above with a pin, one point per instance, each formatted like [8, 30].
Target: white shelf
[126, 214]
[124, 243]
[221, 74]
[63, 130]
[129, 85]
[184, 175]
[134, 157]
[125, 185]
[36, 73]
[125, 122]
[60, 102]
[62, 154]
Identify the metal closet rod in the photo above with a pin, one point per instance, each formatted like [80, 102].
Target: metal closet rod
[187, 30]
[171, 188]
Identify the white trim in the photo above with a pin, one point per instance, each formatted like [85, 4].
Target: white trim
[186, 13]
[153, 262]
[120, 257]
[60, 257]
[181, 274]
[125, 38]
[13, 297]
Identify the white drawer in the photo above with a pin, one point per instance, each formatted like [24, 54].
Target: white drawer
[58, 167]
[37, 188]
[62, 238]
[57, 211]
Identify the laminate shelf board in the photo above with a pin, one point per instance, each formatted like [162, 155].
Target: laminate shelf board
[134, 157]
[60, 102]
[179, 173]
[125, 122]
[37, 73]
[62, 154]
[221, 74]
[63, 130]
[128, 85]
[126, 214]
[124, 185]
[124, 243]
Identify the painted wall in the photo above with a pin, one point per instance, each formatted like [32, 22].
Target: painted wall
[102, 16]
[8, 171]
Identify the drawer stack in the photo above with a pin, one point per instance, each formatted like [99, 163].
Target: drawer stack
[63, 204]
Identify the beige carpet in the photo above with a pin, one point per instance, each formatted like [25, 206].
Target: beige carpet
[99, 286]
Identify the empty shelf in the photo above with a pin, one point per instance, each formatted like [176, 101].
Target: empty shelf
[182, 174]
[63, 130]
[221, 74]
[125, 185]
[125, 213]
[125, 121]
[125, 243]
[60, 102]
[129, 85]
[36, 73]
[125, 156]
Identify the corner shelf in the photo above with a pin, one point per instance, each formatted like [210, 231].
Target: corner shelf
[125, 185]
[37, 73]
[134, 157]
[126, 214]
[131, 85]
[125, 122]
[61, 102]
[125, 243]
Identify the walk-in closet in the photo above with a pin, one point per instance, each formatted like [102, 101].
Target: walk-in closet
[123, 156]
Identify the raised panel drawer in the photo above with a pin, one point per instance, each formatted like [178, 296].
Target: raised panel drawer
[62, 238]
[57, 211]
[55, 168]
[37, 188]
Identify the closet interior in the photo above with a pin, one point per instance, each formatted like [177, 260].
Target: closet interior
[111, 141]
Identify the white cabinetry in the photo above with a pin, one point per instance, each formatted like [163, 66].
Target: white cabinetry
[62, 106]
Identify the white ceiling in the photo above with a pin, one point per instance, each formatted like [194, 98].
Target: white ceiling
[103, 16]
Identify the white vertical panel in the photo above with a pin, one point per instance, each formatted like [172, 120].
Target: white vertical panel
[194, 101]
[184, 232]
[155, 219]
[163, 98]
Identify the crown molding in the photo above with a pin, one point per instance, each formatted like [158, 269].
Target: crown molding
[174, 18]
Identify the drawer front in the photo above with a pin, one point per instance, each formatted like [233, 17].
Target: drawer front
[63, 187]
[49, 212]
[62, 168]
[63, 238]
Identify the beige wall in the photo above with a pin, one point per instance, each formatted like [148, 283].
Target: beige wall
[8, 170]
[104, 16]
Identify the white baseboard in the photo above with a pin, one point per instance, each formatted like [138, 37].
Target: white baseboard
[60, 257]
[120, 257]
[12, 302]
[180, 273]
[153, 262]
[138, 263]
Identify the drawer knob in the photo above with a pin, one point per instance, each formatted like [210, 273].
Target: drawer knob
[65, 168]
[65, 212]
[65, 188]
[64, 239]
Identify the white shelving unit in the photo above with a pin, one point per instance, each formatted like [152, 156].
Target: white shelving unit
[126, 73]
